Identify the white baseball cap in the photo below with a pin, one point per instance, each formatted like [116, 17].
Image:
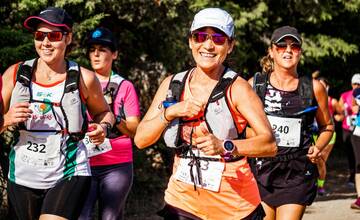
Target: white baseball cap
[214, 17]
[355, 78]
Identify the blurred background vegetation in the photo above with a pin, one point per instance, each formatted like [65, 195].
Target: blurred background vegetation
[152, 37]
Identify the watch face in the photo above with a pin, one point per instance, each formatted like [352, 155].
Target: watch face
[229, 145]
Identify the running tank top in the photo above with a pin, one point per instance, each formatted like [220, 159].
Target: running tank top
[238, 194]
[43, 155]
[287, 104]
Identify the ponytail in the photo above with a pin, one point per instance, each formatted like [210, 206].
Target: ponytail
[267, 64]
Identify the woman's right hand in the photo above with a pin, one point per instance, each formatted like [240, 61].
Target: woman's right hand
[187, 108]
[19, 112]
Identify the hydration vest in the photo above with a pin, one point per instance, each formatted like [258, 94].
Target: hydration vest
[218, 117]
[305, 89]
[110, 92]
[71, 104]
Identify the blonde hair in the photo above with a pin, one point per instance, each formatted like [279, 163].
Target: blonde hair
[267, 64]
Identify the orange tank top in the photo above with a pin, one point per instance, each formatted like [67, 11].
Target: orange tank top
[238, 194]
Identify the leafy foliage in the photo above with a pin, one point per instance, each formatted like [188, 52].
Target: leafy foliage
[153, 36]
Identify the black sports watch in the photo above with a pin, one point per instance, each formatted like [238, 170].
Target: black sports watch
[229, 148]
[118, 119]
[108, 127]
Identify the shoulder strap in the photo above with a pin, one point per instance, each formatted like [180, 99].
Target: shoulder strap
[306, 90]
[114, 84]
[24, 73]
[226, 80]
[73, 77]
[260, 84]
[177, 84]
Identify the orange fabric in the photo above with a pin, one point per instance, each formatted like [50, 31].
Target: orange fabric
[15, 72]
[239, 120]
[49, 85]
[238, 195]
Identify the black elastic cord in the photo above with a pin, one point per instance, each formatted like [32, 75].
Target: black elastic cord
[195, 160]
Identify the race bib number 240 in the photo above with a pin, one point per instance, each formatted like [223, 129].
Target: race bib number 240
[287, 130]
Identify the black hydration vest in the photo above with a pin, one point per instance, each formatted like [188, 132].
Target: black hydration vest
[305, 90]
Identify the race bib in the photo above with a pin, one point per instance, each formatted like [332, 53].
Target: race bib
[39, 149]
[211, 173]
[357, 131]
[93, 149]
[287, 130]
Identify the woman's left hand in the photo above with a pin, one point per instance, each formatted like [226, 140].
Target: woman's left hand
[209, 144]
[314, 154]
[96, 133]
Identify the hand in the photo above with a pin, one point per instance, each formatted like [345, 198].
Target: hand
[96, 133]
[355, 109]
[314, 154]
[18, 113]
[187, 108]
[209, 144]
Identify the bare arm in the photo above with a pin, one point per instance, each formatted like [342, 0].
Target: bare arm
[157, 118]
[323, 118]
[17, 113]
[151, 126]
[126, 104]
[249, 105]
[96, 105]
[128, 126]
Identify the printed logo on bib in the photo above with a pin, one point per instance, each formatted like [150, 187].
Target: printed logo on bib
[287, 130]
[211, 173]
[37, 149]
[42, 117]
[43, 108]
[93, 149]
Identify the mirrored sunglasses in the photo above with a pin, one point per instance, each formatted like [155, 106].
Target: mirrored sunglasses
[52, 36]
[217, 38]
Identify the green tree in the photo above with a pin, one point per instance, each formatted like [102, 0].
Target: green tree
[153, 40]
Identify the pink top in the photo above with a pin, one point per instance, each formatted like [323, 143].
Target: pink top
[330, 106]
[347, 98]
[122, 146]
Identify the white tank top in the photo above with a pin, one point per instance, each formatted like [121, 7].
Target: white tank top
[43, 155]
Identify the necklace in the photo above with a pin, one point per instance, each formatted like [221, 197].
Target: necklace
[50, 77]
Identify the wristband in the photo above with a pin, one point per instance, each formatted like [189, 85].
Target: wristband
[163, 118]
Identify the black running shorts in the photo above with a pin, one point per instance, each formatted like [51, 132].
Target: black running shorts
[65, 199]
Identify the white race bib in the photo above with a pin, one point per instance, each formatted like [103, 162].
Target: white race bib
[39, 149]
[93, 149]
[357, 131]
[287, 130]
[211, 173]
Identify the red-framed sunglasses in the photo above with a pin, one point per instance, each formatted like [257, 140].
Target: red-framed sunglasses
[282, 46]
[52, 36]
[201, 37]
